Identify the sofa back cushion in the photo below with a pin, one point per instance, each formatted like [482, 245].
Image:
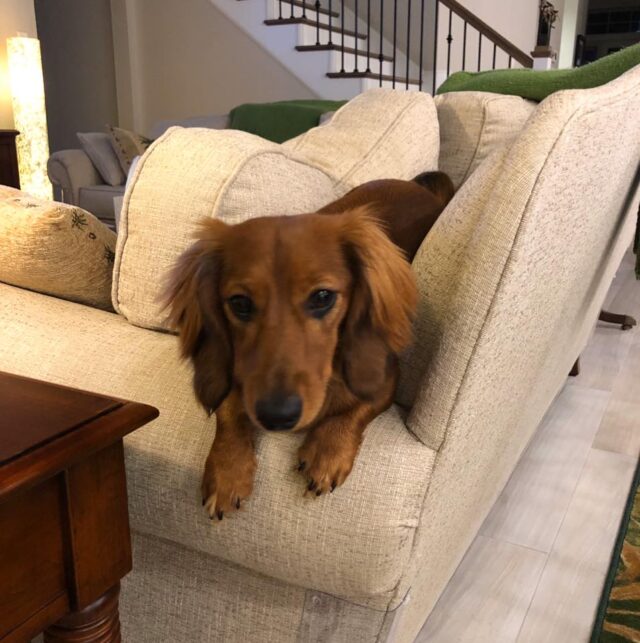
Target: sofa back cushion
[473, 125]
[190, 174]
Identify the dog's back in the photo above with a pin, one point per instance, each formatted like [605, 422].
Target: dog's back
[406, 209]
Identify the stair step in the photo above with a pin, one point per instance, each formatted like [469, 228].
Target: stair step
[312, 23]
[308, 6]
[400, 80]
[347, 50]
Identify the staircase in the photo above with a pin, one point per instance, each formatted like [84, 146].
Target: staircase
[340, 48]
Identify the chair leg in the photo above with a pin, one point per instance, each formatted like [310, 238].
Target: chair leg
[625, 321]
[575, 369]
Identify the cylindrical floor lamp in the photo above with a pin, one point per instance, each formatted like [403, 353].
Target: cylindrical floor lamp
[29, 114]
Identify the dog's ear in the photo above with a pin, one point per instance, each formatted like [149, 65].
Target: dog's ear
[195, 310]
[378, 324]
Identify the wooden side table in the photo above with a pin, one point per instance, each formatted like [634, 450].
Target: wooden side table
[64, 524]
[9, 158]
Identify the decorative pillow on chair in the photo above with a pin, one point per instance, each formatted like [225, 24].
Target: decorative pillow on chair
[56, 249]
[99, 149]
[127, 145]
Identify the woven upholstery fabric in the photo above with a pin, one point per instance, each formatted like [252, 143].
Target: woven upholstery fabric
[187, 175]
[55, 249]
[534, 276]
[354, 543]
[380, 134]
[473, 125]
[206, 600]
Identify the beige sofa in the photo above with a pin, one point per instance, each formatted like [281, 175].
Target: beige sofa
[511, 279]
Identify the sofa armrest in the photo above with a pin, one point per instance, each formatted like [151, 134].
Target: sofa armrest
[71, 170]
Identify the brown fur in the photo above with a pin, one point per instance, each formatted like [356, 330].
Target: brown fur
[343, 366]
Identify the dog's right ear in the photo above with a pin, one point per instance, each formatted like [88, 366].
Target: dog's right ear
[195, 311]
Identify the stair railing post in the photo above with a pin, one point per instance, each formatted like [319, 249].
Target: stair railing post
[464, 46]
[355, 69]
[479, 50]
[317, 6]
[395, 49]
[330, 21]
[368, 36]
[380, 54]
[435, 47]
[408, 42]
[449, 41]
[342, 33]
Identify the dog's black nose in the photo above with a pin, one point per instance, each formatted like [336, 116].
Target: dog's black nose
[279, 412]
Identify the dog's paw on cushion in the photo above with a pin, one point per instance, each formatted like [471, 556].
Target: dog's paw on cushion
[55, 249]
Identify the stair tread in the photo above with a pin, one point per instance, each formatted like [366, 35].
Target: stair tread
[347, 50]
[312, 23]
[308, 5]
[402, 80]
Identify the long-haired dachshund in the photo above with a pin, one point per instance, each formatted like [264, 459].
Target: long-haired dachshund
[296, 322]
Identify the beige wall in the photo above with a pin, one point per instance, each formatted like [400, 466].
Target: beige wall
[180, 59]
[15, 16]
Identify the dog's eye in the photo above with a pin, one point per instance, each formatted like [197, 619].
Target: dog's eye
[321, 302]
[241, 306]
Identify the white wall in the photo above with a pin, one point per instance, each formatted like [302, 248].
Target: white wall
[516, 20]
[15, 16]
[180, 59]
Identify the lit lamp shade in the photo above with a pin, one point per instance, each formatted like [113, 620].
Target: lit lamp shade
[29, 115]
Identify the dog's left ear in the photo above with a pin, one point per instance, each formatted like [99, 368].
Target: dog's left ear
[378, 324]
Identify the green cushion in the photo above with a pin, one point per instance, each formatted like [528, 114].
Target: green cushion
[537, 85]
[278, 122]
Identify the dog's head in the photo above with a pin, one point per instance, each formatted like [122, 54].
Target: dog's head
[277, 306]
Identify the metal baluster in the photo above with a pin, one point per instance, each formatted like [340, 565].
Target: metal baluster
[435, 48]
[479, 50]
[449, 41]
[395, 24]
[356, 45]
[368, 36]
[510, 59]
[317, 5]
[464, 46]
[279, 9]
[304, 9]
[381, 58]
[421, 43]
[495, 47]
[408, 41]
[342, 29]
[292, 13]
[330, 21]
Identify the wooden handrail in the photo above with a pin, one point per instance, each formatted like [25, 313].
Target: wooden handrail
[516, 53]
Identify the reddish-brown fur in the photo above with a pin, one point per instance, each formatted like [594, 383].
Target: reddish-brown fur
[343, 366]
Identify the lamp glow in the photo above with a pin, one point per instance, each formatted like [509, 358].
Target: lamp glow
[29, 115]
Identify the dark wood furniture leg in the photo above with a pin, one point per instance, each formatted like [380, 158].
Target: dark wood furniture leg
[625, 321]
[575, 369]
[98, 623]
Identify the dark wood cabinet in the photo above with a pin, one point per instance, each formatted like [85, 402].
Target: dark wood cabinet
[9, 158]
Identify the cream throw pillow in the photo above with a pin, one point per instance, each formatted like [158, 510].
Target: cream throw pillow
[189, 174]
[55, 249]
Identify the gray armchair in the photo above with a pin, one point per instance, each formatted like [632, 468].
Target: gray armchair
[77, 181]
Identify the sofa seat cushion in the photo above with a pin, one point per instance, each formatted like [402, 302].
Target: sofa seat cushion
[55, 248]
[98, 199]
[355, 543]
[191, 174]
[473, 125]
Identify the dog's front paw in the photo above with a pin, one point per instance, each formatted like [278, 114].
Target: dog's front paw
[326, 461]
[227, 482]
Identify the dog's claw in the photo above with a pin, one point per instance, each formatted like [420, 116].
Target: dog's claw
[302, 465]
[220, 515]
[312, 485]
[334, 484]
[238, 503]
[318, 492]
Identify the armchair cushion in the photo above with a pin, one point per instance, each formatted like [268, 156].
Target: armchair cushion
[55, 249]
[189, 174]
